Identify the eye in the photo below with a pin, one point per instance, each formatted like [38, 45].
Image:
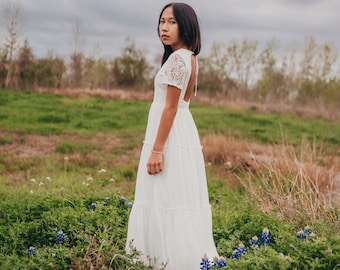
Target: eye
[173, 22]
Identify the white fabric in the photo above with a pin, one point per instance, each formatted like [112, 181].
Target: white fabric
[171, 216]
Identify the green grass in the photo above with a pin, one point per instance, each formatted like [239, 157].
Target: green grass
[265, 128]
[51, 114]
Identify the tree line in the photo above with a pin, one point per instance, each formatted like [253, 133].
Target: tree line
[236, 70]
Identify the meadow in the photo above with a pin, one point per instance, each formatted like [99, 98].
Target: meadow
[67, 174]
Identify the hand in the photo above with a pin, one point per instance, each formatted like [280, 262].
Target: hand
[155, 163]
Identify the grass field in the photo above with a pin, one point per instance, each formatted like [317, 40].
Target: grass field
[51, 114]
[60, 154]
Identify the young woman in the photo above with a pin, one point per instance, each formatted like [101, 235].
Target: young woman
[170, 222]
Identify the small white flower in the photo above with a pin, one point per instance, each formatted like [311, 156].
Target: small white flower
[33, 180]
[84, 183]
[112, 180]
[87, 184]
[41, 184]
[89, 178]
[66, 158]
[48, 178]
[102, 171]
[31, 191]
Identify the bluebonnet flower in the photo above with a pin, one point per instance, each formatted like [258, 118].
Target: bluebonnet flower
[307, 229]
[242, 249]
[221, 262]
[60, 238]
[236, 254]
[265, 237]
[93, 206]
[218, 262]
[300, 234]
[205, 263]
[122, 201]
[254, 242]
[129, 205]
[31, 250]
[107, 198]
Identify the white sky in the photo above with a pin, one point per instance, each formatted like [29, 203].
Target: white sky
[49, 24]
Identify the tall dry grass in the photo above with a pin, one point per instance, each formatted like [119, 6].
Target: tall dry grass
[296, 182]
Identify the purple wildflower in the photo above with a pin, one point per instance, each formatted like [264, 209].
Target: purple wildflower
[205, 263]
[60, 238]
[221, 262]
[300, 234]
[122, 201]
[93, 206]
[31, 250]
[242, 249]
[307, 229]
[254, 242]
[265, 237]
[236, 254]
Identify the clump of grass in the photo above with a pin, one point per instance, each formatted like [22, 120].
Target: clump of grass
[6, 140]
[67, 147]
[297, 182]
[292, 183]
[224, 149]
[219, 148]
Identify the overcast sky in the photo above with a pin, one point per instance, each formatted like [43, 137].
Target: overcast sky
[49, 24]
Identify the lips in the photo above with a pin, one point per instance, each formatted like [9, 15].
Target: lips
[165, 36]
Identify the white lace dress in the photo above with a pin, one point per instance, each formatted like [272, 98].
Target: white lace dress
[170, 220]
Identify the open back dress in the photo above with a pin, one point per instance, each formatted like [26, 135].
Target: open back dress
[170, 221]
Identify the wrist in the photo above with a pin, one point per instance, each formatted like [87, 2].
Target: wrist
[157, 148]
[157, 152]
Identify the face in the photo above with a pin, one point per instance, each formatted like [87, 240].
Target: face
[168, 29]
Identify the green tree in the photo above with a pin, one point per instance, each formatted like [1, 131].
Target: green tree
[49, 71]
[131, 69]
[215, 70]
[96, 71]
[316, 80]
[26, 64]
[273, 83]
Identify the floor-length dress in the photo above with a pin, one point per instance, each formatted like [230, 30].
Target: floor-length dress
[171, 220]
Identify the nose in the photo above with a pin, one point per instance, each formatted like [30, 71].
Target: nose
[164, 27]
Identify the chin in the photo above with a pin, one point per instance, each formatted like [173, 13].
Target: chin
[167, 43]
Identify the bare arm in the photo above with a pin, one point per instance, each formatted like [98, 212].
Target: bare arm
[155, 162]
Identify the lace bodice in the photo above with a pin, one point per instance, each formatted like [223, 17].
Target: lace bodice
[175, 71]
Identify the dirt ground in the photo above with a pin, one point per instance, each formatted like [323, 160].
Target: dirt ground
[36, 145]
[26, 146]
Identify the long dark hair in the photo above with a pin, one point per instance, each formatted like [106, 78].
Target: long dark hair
[188, 27]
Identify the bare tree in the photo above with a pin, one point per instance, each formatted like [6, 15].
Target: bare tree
[78, 37]
[14, 23]
[77, 57]
[243, 60]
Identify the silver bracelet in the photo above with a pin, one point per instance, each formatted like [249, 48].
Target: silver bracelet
[157, 152]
